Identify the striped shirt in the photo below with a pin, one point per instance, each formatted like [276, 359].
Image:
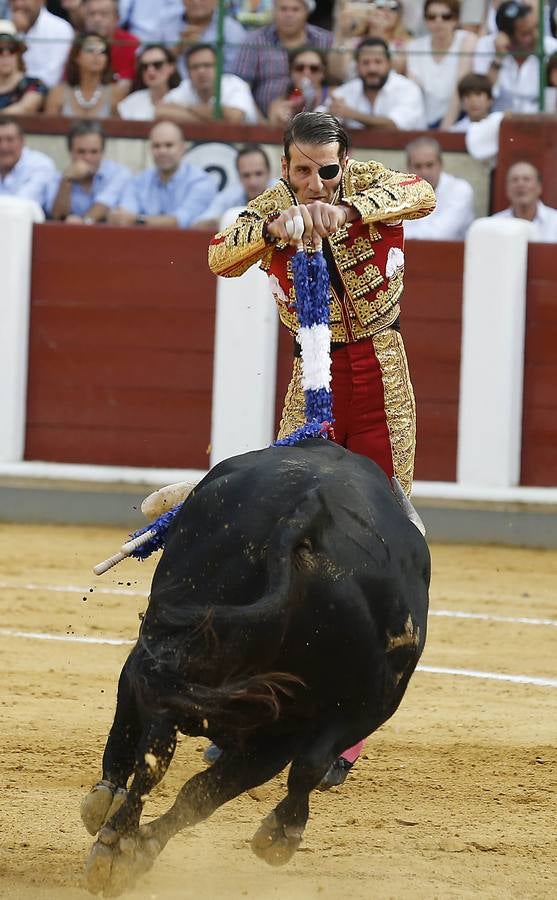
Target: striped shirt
[263, 61]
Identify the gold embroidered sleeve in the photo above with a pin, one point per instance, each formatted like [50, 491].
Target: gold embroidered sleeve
[239, 246]
[242, 244]
[383, 195]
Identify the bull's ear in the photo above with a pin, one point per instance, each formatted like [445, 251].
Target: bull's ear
[407, 506]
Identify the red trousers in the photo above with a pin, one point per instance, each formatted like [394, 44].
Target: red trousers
[359, 404]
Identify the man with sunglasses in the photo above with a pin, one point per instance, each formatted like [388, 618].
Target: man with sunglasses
[355, 209]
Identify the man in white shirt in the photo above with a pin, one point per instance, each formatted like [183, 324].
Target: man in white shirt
[194, 101]
[23, 172]
[379, 97]
[509, 58]
[48, 39]
[454, 212]
[524, 188]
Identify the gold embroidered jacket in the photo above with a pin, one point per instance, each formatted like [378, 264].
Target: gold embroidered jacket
[368, 252]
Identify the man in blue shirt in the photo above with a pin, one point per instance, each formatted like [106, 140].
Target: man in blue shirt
[254, 173]
[171, 194]
[197, 24]
[91, 185]
[23, 172]
[145, 18]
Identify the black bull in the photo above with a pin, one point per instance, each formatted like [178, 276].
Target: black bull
[287, 614]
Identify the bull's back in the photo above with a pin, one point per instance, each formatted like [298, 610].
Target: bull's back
[219, 547]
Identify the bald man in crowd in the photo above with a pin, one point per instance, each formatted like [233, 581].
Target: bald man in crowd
[524, 189]
[171, 194]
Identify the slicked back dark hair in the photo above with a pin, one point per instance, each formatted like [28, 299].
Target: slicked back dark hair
[315, 128]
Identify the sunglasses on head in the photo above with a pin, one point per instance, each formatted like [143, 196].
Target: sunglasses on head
[154, 64]
[311, 67]
[512, 10]
[393, 5]
[446, 16]
[95, 48]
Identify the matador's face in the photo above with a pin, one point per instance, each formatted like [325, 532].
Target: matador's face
[302, 171]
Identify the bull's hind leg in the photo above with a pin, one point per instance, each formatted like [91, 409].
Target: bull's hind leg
[119, 863]
[281, 832]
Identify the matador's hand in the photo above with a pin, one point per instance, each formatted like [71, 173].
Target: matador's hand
[308, 223]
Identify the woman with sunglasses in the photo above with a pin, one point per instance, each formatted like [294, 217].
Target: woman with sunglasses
[356, 21]
[20, 95]
[88, 91]
[307, 89]
[438, 60]
[155, 76]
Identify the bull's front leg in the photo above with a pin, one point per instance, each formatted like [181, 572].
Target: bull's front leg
[119, 757]
[113, 863]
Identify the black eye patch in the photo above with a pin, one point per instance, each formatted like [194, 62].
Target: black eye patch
[326, 173]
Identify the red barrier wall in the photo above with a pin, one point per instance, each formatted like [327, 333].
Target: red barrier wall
[121, 347]
[531, 138]
[539, 429]
[121, 351]
[431, 326]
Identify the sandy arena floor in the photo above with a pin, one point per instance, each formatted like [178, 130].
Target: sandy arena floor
[455, 797]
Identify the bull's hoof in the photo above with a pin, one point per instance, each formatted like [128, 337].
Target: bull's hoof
[276, 843]
[115, 863]
[335, 775]
[102, 801]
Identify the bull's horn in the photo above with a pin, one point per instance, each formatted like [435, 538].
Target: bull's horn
[407, 505]
[165, 498]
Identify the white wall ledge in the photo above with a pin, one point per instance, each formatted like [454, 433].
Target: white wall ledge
[422, 490]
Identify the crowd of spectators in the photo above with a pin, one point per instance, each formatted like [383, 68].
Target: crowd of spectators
[375, 64]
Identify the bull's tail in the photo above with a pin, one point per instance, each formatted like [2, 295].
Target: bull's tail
[216, 663]
[243, 703]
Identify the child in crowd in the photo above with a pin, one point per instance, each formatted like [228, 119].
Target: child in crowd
[476, 100]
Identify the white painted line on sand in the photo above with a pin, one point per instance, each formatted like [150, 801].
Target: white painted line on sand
[492, 676]
[71, 638]
[128, 592]
[72, 589]
[435, 670]
[489, 617]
